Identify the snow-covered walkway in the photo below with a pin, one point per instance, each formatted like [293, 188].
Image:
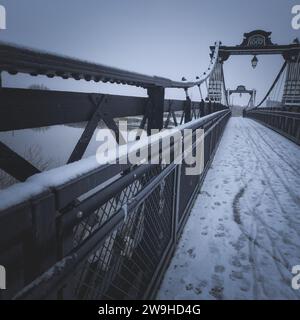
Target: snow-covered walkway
[243, 236]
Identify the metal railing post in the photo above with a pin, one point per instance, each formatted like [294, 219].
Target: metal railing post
[176, 201]
[156, 113]
[187, 108]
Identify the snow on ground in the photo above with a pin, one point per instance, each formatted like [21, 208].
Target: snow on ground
[243, 236]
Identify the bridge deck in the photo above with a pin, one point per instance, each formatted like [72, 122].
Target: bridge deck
[243, 236]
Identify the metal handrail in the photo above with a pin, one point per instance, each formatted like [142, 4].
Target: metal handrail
[35, 180]
[284, 122]
[15, 59]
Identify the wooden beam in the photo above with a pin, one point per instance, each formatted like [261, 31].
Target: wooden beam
[106, 116]
[87, 134]
[169, 115]
[25, 108]
[15, 165]
[188, 110]
[156, 112]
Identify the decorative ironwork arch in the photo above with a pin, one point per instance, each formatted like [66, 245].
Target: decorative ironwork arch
[259, 42]
[242, 89]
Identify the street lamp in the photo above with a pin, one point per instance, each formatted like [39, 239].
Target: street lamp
[254, 62]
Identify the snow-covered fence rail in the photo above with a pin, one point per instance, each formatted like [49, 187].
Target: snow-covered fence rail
[284, 122]
[98, 232]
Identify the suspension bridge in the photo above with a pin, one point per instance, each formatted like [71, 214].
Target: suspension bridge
[122, 231]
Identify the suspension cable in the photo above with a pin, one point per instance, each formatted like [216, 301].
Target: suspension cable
[296, 71]
[272, 86]
[224, 87]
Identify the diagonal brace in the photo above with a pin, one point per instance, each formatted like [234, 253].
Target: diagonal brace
[87, 134]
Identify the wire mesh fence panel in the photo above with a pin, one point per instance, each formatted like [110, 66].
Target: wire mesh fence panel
[97, 218]
[123, 266]
[188, 185]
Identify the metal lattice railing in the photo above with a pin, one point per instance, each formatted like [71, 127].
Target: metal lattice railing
[283, 121]
[115, 242]
[110, 231]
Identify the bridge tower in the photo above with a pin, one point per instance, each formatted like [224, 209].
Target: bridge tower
[258, 42]
[216, 83]
[252, 99]
[240, 90]
[291, 92]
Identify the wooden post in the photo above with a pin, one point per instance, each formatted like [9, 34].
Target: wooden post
[187, 108]
[156, 112]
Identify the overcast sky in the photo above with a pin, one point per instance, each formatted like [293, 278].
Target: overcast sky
[169, 38]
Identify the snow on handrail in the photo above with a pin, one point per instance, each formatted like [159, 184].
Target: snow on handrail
[15, 59]
[45, 181]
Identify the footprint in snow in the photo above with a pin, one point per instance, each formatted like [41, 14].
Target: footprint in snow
[219, 268]
[189, 287]
[191, 253]
[217, 290]
[198, 290]
[220, 235]
[236, 275]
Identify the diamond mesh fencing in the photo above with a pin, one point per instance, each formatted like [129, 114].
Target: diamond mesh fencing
[123, 266]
